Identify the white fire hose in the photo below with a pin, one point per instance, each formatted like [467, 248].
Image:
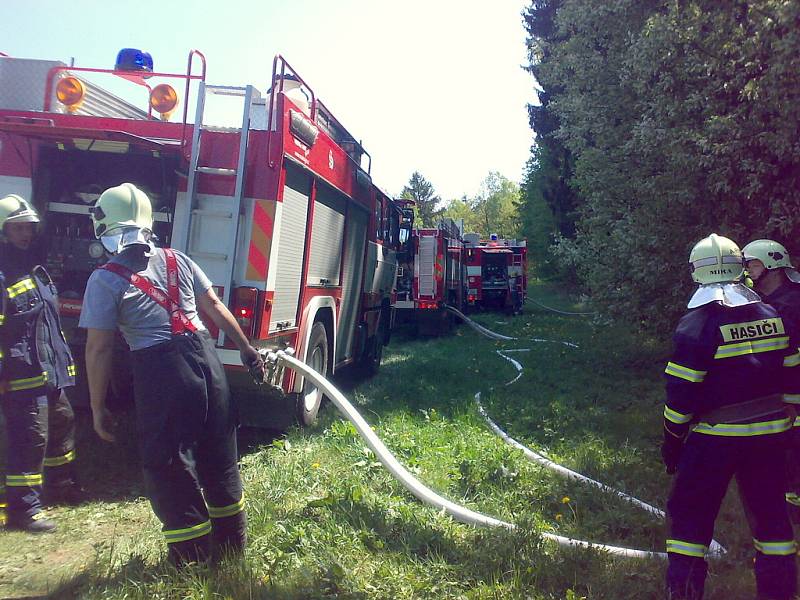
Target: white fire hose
[715, 548]
[498, 336]
[425, 494]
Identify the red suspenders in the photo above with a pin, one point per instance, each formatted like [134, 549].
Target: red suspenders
[170, 301]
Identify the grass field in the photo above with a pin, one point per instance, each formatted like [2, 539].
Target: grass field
[327, 521]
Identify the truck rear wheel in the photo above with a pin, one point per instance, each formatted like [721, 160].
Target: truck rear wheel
[310, 399]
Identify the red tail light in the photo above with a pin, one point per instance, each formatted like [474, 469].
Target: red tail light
[471, 298]
[245, 304]
[427, 304]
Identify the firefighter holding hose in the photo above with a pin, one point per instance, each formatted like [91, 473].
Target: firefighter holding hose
[186, 425]
[725, 417]
[36, 368]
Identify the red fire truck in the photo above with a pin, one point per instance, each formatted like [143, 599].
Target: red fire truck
[496, 272]
[279, 209]
[431, 276]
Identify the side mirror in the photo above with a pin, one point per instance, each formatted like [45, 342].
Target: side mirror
[405, 234]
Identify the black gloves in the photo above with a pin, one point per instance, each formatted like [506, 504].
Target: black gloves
[671, 449]
[255, 365]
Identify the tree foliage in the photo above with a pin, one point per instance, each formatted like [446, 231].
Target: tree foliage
[493, 210]
[538, 218]
[681, 118]
[421, 191]
[552, 163]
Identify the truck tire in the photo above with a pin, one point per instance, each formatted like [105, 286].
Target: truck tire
[310, 399]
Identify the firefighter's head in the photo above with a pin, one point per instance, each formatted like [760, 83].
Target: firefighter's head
[18, 221]
[123, 216]
[763, 257]
[716, 259]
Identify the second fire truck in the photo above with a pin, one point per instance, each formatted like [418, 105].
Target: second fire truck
[496, 272]
[279, 209]
[431, 276]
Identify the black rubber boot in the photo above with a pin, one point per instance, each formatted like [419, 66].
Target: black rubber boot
[195, 551]
[35, 524]
[229, 536]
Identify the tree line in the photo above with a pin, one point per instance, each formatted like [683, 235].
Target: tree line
[494, 209]
[657, 123]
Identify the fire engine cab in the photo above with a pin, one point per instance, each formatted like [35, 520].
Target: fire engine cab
[278, 208]
[496, 272]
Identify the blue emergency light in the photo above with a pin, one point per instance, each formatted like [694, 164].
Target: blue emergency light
[131, 59]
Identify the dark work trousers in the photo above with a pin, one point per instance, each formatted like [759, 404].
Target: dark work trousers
[706, 468]
[793, 470]
[40, 433]
[187, 440]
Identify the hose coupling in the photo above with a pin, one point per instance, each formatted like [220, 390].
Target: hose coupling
[274, 366]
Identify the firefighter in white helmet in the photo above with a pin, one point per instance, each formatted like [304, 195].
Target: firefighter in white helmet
[185, 423]
[36, 368]
[724, 417]
[778, 282]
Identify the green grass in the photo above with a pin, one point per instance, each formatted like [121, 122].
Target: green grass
[327, 521]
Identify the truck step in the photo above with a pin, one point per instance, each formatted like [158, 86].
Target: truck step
[225, 90]
[208, 255]
[216, 129]
[206, 212]
[216, 171]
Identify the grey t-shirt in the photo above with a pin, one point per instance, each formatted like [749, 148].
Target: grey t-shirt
[111, 302]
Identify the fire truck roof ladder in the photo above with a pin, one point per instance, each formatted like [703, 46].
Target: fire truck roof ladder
[195, 170]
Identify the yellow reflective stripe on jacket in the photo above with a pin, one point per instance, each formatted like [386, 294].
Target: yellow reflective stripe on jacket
[57, 461]
[675, 416]
[792, 360]
[15, 385]
[744, 429]
[21, 287]
[71, 370]
[751, 347]
[189, 533]
[24, 480]
[686, 548]
[2, 318]
[686, 373]
[218, 512]
[776, 548]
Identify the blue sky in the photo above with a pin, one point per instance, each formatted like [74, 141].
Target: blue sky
[430, 85]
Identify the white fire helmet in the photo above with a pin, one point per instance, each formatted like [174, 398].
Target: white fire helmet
[772, 255]
[716, 264]
[15, 209]
[122, 217]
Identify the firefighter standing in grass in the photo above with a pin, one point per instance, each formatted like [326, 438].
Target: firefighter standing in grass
[778, 283]
[724, 417]
[36, 367]
[185, 423]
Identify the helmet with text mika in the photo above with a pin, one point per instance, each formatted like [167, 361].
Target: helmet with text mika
[716, 259]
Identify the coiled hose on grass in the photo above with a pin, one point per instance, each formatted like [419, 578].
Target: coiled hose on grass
[715, 548]
[423, 493]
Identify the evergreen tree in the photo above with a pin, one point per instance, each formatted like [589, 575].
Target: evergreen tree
[679, 119]
[421, 191]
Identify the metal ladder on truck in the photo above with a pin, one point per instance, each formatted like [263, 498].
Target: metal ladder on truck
[230, 217]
